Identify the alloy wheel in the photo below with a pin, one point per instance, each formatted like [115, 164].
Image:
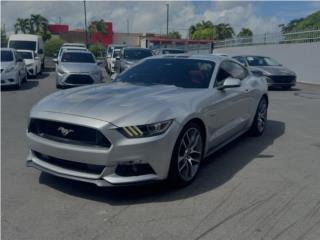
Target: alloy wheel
[190, 154]
[262, 116]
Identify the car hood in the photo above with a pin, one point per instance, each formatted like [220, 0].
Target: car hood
[273, 70]
[78, 67]
[29, 61]
[121, 104]
[5, 65]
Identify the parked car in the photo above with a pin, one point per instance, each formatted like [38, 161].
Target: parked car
[13, 69]
[110, 52]
[32, 62]
[158, 120]
[169, 51]
[81, 45]
[76, 68]
[275, 74]
[28, 42]
[130, 56]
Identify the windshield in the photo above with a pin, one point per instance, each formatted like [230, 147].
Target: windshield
[77, 57]
[185, 73]
[116, 54]
[261, 61]
[27, 45]
[172, 51]
[25, 55]
[136, 54]
[6, 56]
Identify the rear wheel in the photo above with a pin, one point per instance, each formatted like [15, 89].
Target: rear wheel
[187, 155]
[260, 119]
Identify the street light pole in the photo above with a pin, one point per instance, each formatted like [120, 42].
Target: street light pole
[85, 21]
[167, 4]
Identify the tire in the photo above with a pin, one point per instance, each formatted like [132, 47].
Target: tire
[260, 118]
[185, 164]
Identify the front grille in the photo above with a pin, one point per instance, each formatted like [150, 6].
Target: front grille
[79, 79]
[283, 79]
[70, 165]
[68, 133]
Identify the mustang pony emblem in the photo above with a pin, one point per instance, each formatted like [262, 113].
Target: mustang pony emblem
[64, 131]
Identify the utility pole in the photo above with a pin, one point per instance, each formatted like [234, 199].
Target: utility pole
[128, 26]
[85, 21]
[167, 4]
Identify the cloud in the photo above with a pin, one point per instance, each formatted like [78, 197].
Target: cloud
[143, 16]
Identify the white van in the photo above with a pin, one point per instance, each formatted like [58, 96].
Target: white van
[28, 42]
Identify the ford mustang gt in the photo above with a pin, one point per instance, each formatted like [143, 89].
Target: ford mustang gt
[156, 121]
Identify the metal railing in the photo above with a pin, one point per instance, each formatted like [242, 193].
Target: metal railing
[271, 38]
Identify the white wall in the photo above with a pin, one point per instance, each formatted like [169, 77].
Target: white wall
[303, 58]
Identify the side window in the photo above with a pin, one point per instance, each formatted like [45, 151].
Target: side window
[241, 60]
[222, 74]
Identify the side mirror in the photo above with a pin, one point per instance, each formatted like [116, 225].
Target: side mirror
[36, 58]
[230, 83]
[19, 60]
[40, 51]
[55, 60]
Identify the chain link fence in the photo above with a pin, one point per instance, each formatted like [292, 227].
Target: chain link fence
[271, 38]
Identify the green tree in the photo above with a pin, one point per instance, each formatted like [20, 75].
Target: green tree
[36, 24]
[4, 39]
[310, 22]
[22, 25]
[174, 35]
[224, 31]
[52, 46]
[97, 49]
[98, 26]
[245, 32]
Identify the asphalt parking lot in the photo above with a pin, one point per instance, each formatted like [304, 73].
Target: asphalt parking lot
[255, 188]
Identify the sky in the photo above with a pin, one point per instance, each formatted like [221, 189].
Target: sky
[150, 16]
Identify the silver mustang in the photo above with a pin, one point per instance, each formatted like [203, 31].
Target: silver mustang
[157, 121]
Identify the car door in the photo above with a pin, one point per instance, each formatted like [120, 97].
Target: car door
[229, 111]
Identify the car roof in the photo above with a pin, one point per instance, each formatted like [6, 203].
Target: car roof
[22, 50]
[24, 37]
[136, 48]
[77, 51]
[214, 58]
[73, 44]
[172, 49]
[248, 56]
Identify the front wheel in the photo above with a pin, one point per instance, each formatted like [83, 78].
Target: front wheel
[187, 155]
[260, 119]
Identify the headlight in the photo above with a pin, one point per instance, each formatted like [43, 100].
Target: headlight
[9, 69]
[147, 130]
[61, 71]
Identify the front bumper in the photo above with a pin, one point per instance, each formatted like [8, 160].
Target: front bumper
[281, 81]
[31, 71]
[64, 79]
[152, 151]
[8, 79]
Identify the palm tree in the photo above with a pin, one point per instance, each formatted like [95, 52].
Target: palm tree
[38, 23]
[22, 25]
[224, 31]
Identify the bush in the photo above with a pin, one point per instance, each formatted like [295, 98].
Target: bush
[97, 49]
[52, 46]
